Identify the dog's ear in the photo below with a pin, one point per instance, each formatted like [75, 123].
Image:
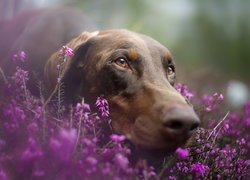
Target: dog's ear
[83, 37]
[71, 73]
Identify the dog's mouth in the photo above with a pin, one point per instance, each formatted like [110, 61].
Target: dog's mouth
[147, 129]
[151, 139]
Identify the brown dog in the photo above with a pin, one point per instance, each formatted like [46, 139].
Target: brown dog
[136, 74]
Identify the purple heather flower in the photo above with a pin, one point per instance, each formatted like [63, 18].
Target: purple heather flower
[171, 178]
[20, 77]
[67, 51]
[19, 56]
[211, 102]
[218, 177]
[151, 172]
[82, 111]
[241, 141]
[82, 107]
[117, 138]
[32, 151]
[32, 128]
[182, 153]
[226, 126]
[106, 169]
[183, 90]
[121, 161]
[90, 146]
[182, 167]
[16, 116]
[63, 145]
[198, 169]
[38, 112]
[102, 106]
[91, 160]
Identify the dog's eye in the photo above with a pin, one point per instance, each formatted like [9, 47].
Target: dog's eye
[171, 74]
[170, 70]
[121, 61]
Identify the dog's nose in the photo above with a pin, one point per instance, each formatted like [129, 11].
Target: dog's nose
[181, 121]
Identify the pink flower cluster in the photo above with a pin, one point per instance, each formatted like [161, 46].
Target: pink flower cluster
[182, 153]
[183, 90]
[67, 51]
[19, 56]
[102, 105]
[211, 102]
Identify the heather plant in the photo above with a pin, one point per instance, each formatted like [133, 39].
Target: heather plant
[64, 55]
[36, 144]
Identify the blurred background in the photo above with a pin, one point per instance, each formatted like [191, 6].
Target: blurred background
[208, 39]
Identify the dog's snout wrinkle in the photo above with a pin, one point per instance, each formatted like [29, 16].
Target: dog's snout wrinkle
[163, 92]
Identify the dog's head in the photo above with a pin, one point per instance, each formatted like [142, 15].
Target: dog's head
[136, 74]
